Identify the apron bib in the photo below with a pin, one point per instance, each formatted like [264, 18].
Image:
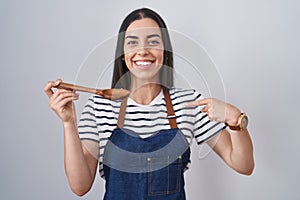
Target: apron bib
[138, 168]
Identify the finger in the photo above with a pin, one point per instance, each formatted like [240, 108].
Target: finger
[61, 101]
[201, 102]
[62, 104]
[204, 109]
[50, 84]
[59, 80]
[61, 94]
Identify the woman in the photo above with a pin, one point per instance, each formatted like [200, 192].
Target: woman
[142, 142]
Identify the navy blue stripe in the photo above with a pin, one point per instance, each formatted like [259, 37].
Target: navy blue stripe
[87, 119]
[176, 97]
[106, 104]
[104, 110]
[87, 126]
[186, 101]
[103, 139]
[89, 106]
[89, 113]
[172, 92]
[196, 129]
[89, 139]
[107, 124]
[154, 105]
[184, 95]
[187, 136]
[187, 122]
[199, 120]
[91, 100]
[188, 107]
[87, 132]
[105, 131]
[202, 133]
[105, 117]
[215, 133]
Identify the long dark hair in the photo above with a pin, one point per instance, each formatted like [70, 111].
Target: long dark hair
[121, 77]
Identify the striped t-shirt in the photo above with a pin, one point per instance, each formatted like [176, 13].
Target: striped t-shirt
[99, 119]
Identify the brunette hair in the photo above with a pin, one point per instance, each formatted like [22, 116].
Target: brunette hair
[121, 77]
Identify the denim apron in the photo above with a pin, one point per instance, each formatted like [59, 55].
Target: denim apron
[138, 168]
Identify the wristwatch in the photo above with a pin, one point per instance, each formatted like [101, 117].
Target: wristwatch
[242, 123]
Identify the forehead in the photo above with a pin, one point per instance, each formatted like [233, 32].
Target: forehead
[143, 27]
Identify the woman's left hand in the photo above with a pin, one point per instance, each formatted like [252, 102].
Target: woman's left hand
[218, 110]
[235, 149]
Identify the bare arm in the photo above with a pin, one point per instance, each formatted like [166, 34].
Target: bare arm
[236, 149]
[80, 165]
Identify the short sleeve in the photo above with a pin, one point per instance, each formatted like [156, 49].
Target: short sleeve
[205, 129]
[87, 126]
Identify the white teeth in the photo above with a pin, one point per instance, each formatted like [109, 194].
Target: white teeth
[143, 63]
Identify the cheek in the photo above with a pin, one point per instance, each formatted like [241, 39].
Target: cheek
[127, 59]
[160, 56]
[127, 56]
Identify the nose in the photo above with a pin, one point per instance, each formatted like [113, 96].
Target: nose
[142, 50]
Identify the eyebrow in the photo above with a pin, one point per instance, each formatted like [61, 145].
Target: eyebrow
[136, 37]
[131, 36]
[153, 35]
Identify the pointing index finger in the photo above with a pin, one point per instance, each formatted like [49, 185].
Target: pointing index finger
[200, 102]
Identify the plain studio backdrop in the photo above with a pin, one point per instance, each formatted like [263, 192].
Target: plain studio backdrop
[253, 45]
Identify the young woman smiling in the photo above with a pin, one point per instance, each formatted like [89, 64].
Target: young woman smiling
[142, 142]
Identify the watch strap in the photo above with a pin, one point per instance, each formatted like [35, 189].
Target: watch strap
[237, 127]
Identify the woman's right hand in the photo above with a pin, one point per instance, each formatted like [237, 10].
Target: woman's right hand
[61, 101]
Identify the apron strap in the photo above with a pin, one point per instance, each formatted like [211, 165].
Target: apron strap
[122, 113]
[171, 115]
[170, 110]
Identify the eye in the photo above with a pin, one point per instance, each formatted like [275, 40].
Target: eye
[153, 42]
[132, 43]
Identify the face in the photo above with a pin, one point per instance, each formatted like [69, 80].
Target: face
[144, 50]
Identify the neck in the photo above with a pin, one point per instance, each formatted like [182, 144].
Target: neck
[144, 94]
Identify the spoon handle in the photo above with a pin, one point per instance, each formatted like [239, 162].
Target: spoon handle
[69, 86]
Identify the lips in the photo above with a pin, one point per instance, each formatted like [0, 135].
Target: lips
[143, 64]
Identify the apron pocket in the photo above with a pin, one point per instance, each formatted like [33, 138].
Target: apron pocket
[164, 177]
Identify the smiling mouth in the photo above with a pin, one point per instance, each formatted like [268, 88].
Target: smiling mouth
[143, 63]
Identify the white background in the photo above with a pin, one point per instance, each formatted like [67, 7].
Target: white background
[254, 45]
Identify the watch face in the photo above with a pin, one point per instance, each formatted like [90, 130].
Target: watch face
[244, 122]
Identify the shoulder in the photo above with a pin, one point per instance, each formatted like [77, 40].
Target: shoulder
[182, 94]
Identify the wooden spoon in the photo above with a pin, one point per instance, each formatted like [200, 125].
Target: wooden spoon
[112, 94]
